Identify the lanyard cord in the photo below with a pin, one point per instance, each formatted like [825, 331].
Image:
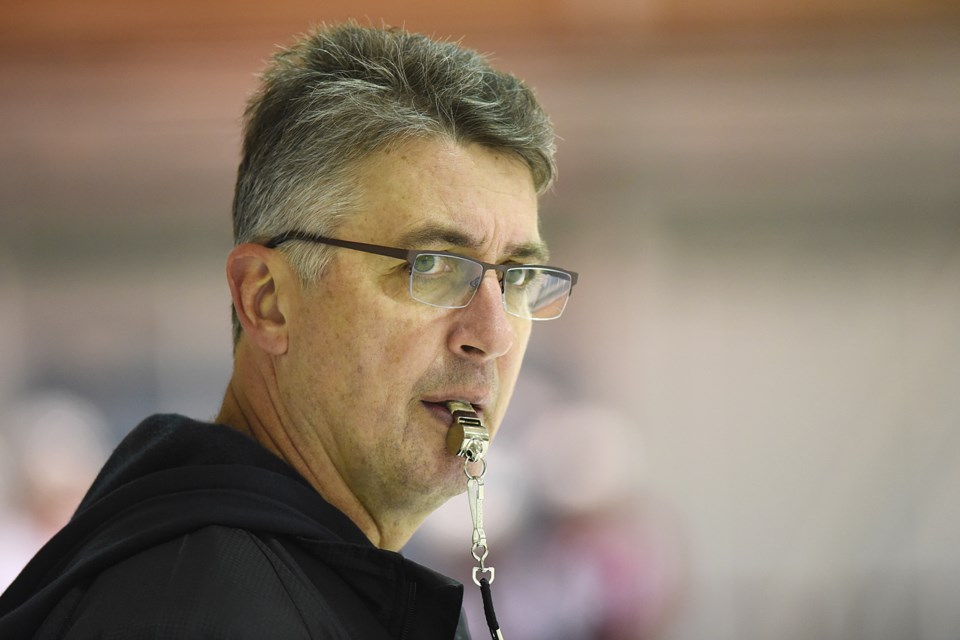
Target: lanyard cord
[488, 611]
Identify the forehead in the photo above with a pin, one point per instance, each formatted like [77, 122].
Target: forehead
[436, 192]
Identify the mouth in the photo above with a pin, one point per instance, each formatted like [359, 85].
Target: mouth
[443, 409]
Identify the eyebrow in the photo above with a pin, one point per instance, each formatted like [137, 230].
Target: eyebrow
[436, 234]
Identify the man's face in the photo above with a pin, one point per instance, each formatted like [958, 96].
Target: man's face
[368, 368]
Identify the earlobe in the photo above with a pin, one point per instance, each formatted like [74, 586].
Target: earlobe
[257, 277]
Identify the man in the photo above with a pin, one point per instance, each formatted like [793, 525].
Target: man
[385, 217]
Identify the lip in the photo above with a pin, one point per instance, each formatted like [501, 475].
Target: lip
[479, 397]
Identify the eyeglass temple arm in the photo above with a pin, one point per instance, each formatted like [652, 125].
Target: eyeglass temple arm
[402, 254]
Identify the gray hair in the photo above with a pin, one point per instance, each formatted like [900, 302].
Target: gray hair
[341, 93]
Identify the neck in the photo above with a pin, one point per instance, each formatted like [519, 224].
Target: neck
[253, 405]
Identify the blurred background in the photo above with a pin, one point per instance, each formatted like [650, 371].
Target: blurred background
[744, 428]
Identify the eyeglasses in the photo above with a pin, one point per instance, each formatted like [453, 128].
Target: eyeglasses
[447, 280]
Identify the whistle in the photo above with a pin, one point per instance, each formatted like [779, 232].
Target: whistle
[467, 437]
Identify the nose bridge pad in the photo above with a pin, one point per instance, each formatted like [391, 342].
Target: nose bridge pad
[475, 283]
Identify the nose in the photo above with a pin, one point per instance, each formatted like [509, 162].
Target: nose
[482, 330]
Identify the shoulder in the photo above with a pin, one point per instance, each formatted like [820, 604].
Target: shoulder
[214, 582]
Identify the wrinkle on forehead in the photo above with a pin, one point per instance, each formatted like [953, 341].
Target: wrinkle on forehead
[431, 234]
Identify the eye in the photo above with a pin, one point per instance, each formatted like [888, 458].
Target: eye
[427, 264]
[517, 277]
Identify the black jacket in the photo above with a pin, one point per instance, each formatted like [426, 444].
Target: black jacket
[193, 530]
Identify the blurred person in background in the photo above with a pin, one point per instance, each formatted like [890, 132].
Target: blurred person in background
[53, 446]
[386, 229]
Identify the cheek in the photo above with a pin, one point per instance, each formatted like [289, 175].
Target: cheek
[521, 331]
[387, 349]
[509, 366]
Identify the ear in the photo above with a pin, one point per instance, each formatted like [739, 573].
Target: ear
[260, 284]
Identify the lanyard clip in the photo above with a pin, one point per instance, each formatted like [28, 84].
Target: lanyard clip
[475, 498]
[479, 550]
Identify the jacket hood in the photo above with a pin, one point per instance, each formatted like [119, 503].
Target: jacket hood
[172, 475]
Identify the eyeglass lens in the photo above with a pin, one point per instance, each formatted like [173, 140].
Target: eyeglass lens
[451, 281]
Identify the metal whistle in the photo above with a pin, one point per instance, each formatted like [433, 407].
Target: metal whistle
[467, 437]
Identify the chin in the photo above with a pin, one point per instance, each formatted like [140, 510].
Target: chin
[449, 481]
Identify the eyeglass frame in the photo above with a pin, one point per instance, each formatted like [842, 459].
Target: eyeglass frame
[410, 256]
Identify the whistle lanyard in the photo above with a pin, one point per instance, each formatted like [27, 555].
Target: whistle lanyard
[479, 550]
[468, 438]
